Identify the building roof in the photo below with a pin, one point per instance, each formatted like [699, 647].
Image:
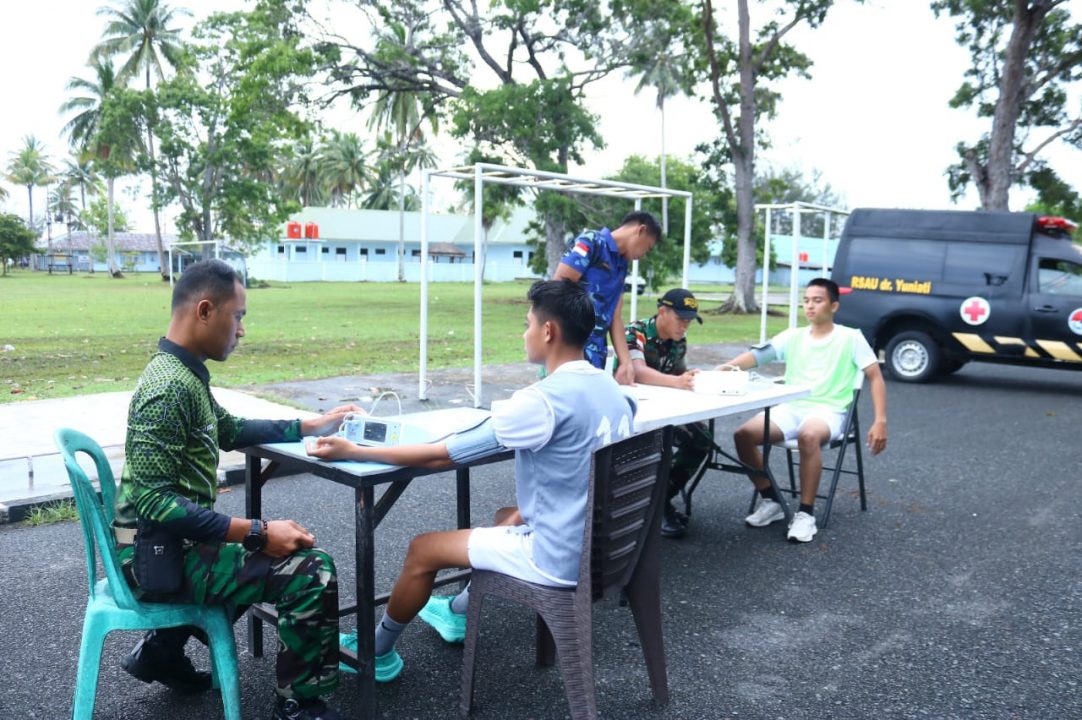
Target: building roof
[125, 242]
[445, 249]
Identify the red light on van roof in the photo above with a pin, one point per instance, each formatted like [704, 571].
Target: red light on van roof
[1051, 222]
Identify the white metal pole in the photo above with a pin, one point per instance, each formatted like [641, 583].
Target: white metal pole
[794, 274]
[422, 390]
[170, 266]
[478, 259]
[687, 241]
[634, 277]
[826, 244]
[766, 279]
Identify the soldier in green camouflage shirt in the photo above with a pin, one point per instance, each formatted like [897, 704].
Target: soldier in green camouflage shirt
[658, 347]
[168, 488]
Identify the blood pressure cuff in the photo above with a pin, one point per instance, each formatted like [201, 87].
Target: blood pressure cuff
[473, 444]
[159, 559]
[764, 354]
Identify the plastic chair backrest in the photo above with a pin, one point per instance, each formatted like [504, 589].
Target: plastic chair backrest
[95, 515]
[628, 479]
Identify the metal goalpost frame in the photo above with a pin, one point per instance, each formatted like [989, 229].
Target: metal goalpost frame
[481, 173]
[797, 209]
[217, 252]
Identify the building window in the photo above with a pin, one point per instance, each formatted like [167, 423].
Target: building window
[300, 250]
[364, 252]
[381, 251]
[517, 254]
[281, 249]
[415, 253]
[339, 253]
[325, 250]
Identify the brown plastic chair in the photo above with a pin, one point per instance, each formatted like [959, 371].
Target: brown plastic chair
[620, 553]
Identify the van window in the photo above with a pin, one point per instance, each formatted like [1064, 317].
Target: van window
[898, 258]
[981, 263]
[1059, 277]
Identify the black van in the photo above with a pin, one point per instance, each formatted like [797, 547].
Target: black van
[935, 289]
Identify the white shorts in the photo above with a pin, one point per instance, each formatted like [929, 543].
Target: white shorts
[508, 549]
[789, 420]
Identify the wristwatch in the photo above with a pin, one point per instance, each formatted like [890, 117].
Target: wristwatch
[256, 539]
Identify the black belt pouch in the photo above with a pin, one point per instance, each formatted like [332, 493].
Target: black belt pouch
[159, 559]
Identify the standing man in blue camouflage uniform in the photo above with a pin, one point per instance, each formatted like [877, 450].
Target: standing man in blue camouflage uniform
[166, 499]
[658, 347]
[599, 260]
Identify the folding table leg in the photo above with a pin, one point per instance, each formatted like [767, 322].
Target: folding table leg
[366, 605]
[253, 506]
[768, 472]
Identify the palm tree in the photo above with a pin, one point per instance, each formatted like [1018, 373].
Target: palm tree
[140, 30]
[664, 73]
[303, 177]
[402, 112]
[30, 166]
[345, 170]
[81, 173]
[82, 129]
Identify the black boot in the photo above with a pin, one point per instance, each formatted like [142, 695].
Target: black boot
[159, 657]
[294, 709]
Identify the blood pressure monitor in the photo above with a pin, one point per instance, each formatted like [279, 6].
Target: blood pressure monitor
[371, 431]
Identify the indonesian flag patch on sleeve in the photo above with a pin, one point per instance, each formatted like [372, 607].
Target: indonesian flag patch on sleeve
[582, 247]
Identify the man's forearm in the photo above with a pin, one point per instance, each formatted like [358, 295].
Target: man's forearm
[649, 376]
[744, 361]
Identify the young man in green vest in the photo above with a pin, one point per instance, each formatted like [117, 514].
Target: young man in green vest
[827, 358]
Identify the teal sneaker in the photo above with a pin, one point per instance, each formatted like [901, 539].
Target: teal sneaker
[349, 642]
[388, 666]
[450, 625]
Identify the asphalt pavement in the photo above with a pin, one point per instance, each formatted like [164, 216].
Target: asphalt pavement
[957, 595]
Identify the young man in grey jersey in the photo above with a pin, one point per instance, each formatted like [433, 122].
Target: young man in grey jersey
[553, 433]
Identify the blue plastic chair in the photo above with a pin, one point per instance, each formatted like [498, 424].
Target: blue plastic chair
[112, 606]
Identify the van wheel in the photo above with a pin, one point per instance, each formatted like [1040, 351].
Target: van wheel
[913, 356]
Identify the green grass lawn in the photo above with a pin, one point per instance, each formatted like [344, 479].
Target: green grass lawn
[81, 334]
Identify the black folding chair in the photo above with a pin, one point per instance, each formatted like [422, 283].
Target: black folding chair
[719, 459]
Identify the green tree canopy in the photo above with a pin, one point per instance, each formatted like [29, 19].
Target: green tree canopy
[1026, 63]
[16, 240]
[227, 119]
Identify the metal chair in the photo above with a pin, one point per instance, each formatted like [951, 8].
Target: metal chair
[850, 436]
[620, 553]
[111, 604]
[719, 459]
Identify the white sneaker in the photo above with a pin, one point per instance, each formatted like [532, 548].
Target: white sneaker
[769, 511]
[802, 529]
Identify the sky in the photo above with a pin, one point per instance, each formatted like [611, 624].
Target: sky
[873, 118]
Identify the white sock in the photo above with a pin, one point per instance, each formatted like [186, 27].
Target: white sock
[461, 602]
[387, 633]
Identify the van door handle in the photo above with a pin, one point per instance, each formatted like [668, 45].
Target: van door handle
[1046, 309]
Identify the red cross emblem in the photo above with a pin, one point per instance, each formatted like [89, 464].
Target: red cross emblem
[975, 310]
[1074, 321]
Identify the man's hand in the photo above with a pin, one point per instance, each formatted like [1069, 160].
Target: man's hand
[877, 437]
[331, 447]
[687, 380]
[329, 422]
[285, 537]
[625, 374]
[726, 367]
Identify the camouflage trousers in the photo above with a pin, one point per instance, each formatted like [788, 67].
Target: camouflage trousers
[691, 445]
[303, 588]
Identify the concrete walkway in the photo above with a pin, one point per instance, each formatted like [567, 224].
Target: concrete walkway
[31, 471]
